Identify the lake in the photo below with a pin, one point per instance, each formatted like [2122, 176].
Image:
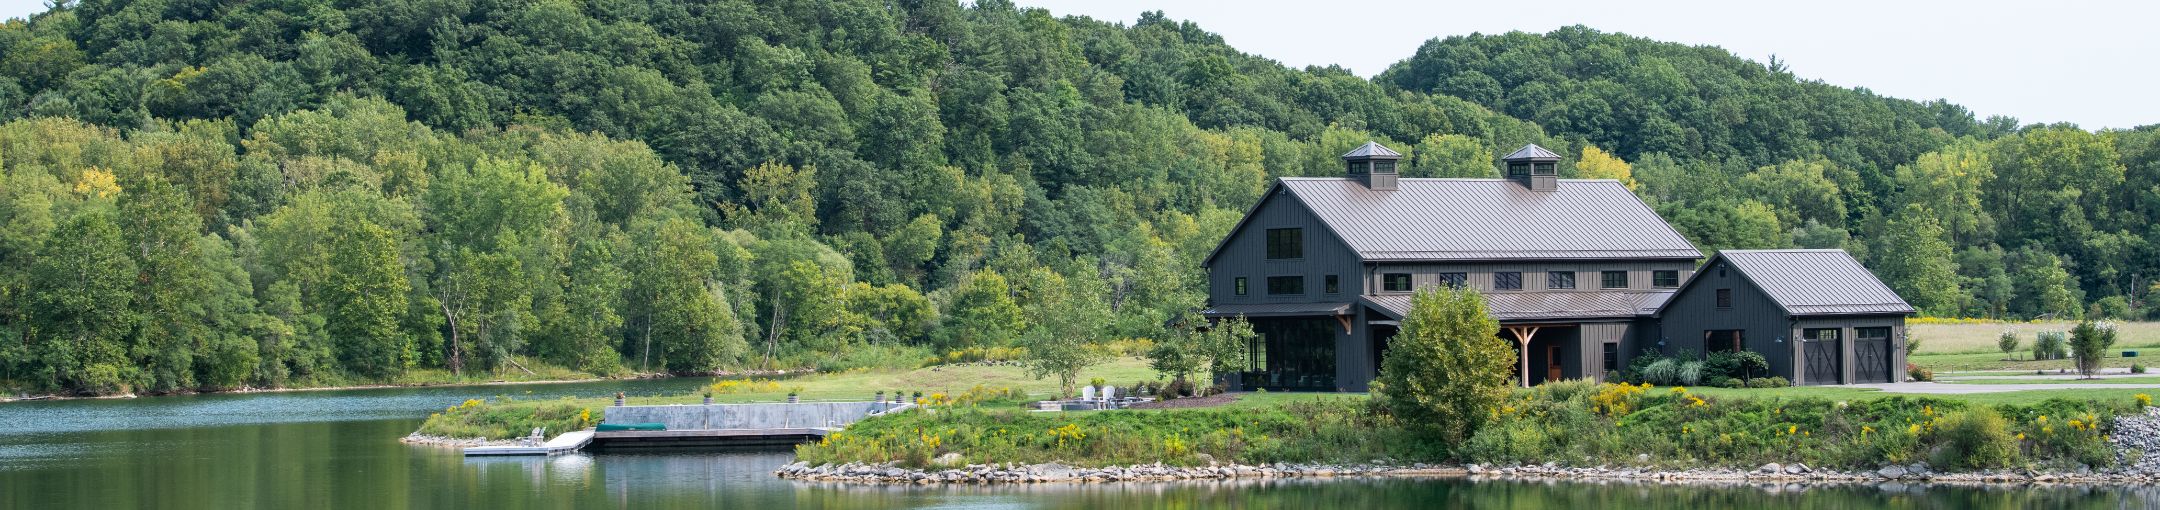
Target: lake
[339, 449]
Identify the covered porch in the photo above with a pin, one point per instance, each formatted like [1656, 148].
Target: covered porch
[1296, 348]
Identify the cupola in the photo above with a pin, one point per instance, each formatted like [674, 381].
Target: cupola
[1534, 168]
[1372, 165]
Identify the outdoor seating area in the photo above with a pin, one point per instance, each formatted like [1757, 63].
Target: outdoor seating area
[1092, 400]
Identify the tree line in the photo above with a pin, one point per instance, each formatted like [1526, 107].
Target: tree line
[207, 195]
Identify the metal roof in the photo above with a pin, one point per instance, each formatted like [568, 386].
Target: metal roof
[1815, 282]
[1531, 151]
[1372, 150]
[1556, 305]
[1490, 219]
[1276, 309]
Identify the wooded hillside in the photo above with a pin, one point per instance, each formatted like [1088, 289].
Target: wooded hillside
[216, 194]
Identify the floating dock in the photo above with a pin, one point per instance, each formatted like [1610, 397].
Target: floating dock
[716, 425]
[565, 443]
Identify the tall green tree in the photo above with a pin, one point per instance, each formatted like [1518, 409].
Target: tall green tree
[1448, 368]
[1917, 262]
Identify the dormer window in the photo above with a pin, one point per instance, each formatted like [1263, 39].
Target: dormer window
[1384, 166]
[1357, 167]
[1372, 165]
[1518, 170]
[1543, 169]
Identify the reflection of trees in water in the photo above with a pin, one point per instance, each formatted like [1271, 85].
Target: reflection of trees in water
[744, 480]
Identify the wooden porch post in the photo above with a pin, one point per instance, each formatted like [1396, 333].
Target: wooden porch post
[1523, 334]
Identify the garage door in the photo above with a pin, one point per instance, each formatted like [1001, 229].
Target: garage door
[1822, 355]
[1871, 356]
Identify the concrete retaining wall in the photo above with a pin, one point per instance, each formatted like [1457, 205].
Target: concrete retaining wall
[747, 416]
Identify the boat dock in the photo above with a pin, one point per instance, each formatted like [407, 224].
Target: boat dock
[693, 425]
[565, 443]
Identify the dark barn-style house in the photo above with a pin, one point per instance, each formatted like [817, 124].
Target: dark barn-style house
[1579, 273]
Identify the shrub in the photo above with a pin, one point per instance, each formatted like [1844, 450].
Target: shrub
[1640, 363]
[2008, 342]
[1976, 439]
[2137, 368]
[1919, 373]
[1663, 372]
[1448, 367]
[1726, 382]
[1691, 373]
[2091, 340]
[1912, 343]
[2050, 345]
[1769, 382]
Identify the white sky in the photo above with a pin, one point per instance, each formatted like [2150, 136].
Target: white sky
[2090, 63]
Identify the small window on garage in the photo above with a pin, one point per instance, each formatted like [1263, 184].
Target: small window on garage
[1724, 299]
[1507, 280]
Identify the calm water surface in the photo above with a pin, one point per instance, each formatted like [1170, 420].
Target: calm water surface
[339, 449]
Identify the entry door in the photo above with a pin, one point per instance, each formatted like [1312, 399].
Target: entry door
[1825, 358]
[1552, 363]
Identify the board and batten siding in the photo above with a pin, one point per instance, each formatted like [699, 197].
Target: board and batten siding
[1245, 254]
[1588, 275]
[1693, 311]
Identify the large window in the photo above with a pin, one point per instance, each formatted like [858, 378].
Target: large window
[1722, 340]
[1334, 285]
[1665, 279]
[1456, 280]
[1724, 299]
[1560, 280]
[1395, 282]
[1285, 243]
[1507, 280]
[1238, 285]
[1615, 279]
[1285, 285]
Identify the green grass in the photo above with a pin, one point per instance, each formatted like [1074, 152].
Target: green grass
[1567, 423]
[859, 384]
[1979, 337]
[2138, 379]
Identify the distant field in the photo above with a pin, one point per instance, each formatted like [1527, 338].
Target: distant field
[1980, 337]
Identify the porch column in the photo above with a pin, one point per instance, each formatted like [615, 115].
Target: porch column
[1523, 334]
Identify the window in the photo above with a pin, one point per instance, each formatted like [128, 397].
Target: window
[1821, 334]
[1507, 280]
[1518, 169]
[1395, 282]
[1724, 299]
[1665, 279]
[1357, 167]
[1560, 280]
[1872, 333]
[1286, 243]
[1544, 169]
[1615, 279]
[1456, 280]
[1285, 285]
[1612, 358]
[1334, 285]
[1239, 283]
[1721, 340]
[1383, 167]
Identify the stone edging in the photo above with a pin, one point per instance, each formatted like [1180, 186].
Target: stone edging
[1771, 473]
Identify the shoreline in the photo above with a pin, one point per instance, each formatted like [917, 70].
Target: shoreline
[1036, 474]
[632, 377]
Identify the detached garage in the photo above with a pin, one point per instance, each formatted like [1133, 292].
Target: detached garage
[1818, 316]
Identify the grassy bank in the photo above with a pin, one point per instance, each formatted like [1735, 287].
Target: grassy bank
[1575, 423]
[486, 419]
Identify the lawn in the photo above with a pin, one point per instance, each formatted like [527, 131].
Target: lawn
[1979, 337]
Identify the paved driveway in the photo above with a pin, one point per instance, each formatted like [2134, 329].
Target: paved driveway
[1945, 388]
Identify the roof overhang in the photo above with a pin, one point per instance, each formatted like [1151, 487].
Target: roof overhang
[1277, 310]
